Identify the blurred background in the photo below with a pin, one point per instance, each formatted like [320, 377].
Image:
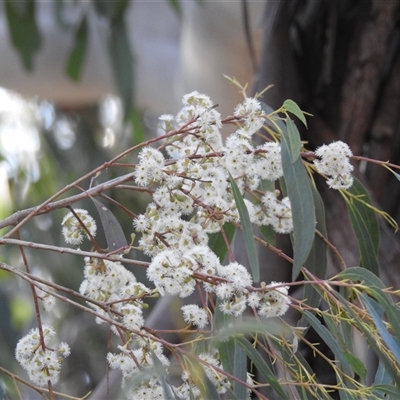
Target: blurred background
[81, 81]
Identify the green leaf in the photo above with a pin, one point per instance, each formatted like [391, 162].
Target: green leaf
[317, 260]
[294, 109]
[358, 274]
[161, 372]
[262, 367]
[138, 129]
[382, 376]
[217, 243]
[330, 341]
[240, 371]
[376, 289]
[388, 389]
[370, 337]
[77, 55]
[294, 139]
[122, 63]
[365, 226]
[112, 229]
[226, 350]
[356, 364]
[24, 32]
[247, 231]
[376, 313]
[201, 380]
[301, 198]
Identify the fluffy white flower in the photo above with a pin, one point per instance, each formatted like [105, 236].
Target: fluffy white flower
[73, 231]
[193, 314]
[268, 163]
[279, 212]
[274, 301]
[108, 281]
[49, 302]
[141, 223]
[166, 123]
[42, 365]
[335, 163]
[237, 275]
[197, 99]
[250, 112]
[150, 167]
[239, 154]
[171, 275]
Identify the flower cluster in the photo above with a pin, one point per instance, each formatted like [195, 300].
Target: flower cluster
[193, 314]
[111, 283]
[141, 359]
[194, 183]
[191, 198]
[42, 364]
[73, 231]
[334, 162]
[172, 270]
[146, 358]
[251, 113]
[272, 301]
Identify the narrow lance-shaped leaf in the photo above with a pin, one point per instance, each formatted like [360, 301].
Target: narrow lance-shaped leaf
[387, 389]
[226, 351]
[138, 129]
[161, 372]
[262, 367]
[294, 109]
[301, 198]
[358, 274]
[201, 380]
[247, 231]
[382, 376]
[24, 32]
[112, 229]
[330, 341]
[240, 371]
[377, 302]
[365, 226]
[376, 313]
[317, 260]
[77, 55]
[358, 322]
[122, 63]
[294, 139]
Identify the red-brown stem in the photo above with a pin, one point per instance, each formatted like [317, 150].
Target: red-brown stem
[34, 296]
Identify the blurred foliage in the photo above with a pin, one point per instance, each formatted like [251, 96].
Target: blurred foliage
[59, 164]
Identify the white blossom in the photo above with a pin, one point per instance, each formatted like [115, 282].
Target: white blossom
[334, 162]
[193, 314]
[41, 364]
[73, 231]
[274, 300]
[279, 212]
